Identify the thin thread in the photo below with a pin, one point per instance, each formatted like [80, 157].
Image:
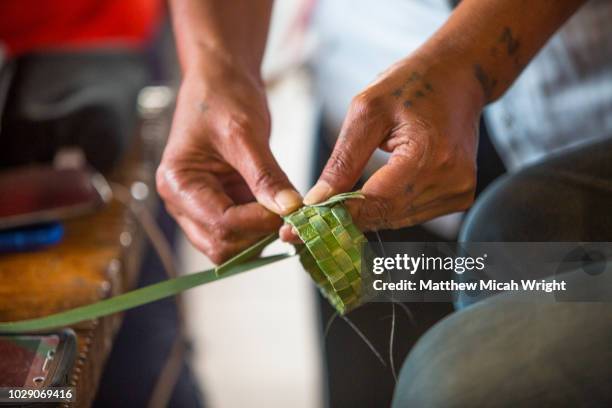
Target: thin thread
[365, 340]
[352, 325]
[329, 323]
[391, 338]
[393, 319]
[409, 313]
[404, 309]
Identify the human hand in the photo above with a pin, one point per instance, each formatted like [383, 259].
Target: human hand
[218, 177]
[426, 115]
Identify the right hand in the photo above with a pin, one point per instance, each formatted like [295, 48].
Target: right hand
[218, 177]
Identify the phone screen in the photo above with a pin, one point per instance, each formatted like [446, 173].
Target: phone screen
[36, 194]
[25, 360]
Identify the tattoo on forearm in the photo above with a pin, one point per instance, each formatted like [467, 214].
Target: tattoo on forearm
[511, 42]
[506, 45]
[487, 83]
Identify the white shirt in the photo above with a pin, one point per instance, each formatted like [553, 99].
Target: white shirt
[564, 97]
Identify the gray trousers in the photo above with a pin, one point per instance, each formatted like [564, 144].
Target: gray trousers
[500, 353]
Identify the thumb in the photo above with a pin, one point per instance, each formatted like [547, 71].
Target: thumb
[361, 134]
[268, 183]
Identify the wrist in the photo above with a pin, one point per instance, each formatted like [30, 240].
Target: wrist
[217, 61]
[453, 71]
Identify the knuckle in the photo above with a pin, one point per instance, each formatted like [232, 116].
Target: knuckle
[470, 186]
[233, 127]
[417, 124]
[366, 105]
[200, 241]
[239, 126]
[214, 249]
[165, 177]
[264, 177]
[219, 230]
[377, 214]
[467, 185]
[216, 256]
[360, 103]
[422, 125]
[339, 164]
[243, 126]
[447, 158]
[466, 203]
[469, 198]
[160, 182]
[220, 253]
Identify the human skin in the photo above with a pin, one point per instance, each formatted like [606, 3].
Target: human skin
[424, 110]
[217, 176]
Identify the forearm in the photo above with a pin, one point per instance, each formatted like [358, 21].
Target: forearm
[230, 32]
[495, 40]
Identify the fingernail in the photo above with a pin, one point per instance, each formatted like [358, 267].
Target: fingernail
[288, 200]
[321, 191]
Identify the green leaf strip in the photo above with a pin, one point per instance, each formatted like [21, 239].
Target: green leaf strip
[249, 253]
[134, 298]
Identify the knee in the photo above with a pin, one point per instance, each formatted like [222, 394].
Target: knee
[464, 360]
[502, 354]
[443, 373]
[518, 207]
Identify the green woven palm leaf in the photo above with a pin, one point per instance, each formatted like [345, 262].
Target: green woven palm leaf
[332, 248]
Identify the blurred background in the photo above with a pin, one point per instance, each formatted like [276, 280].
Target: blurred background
[72, 74]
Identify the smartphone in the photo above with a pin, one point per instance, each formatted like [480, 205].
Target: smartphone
[40, 194]
[37, 360]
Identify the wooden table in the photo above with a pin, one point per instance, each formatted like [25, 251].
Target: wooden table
[98, 258]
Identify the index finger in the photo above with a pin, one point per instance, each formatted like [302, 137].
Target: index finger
[202, 199]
